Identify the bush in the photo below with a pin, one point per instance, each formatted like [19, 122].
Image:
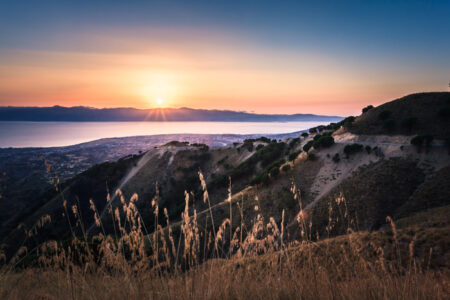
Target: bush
[313, 130]
[308, 146]
[286, 168]
[263, 177]
[293, 143]
[259, 147]
[422, 140]
[324, 142]
[305, 134]
[292, 156]
[348, 122]
[368, 149]
[352, 148]
[336, 158]
[367, 108]
[248, 144]
[274, 171]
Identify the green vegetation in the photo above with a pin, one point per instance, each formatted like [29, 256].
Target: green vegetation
[324, 141]
[248, 144]
[348, 122]
[420, 141]
[292, 156]
[265, 156]
[308, 146]
[336, 157]
[177, 144]
[286, 168]
[352, 149]
[293, 143]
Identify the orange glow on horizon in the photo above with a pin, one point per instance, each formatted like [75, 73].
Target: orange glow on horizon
[196, 76]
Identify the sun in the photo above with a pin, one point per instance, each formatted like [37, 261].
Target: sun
[159, 101]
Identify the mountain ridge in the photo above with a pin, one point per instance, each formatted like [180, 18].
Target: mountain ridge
[122, 114]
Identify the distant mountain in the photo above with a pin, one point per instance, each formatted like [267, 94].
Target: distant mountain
[87, 114]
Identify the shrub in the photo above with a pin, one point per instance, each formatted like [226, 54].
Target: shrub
[323, 142]
[259, 147]
[292, 156]
[368, 149]
[305, 134]
[262, 177]
[263, 139]
[286, 168]
[367, 108]
[384, 115]
[274, 171]
[336, 158]
[308, 146]
[248, 144]
[422, 140]
[293, 143]
[313, 130]
[352, 148]
[348, 122]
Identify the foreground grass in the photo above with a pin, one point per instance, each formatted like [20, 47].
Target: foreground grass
[226, 280]
[409, 261]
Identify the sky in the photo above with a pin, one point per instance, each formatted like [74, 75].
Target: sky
[323, 57]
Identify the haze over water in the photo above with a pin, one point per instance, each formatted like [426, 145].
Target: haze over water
[53, 134]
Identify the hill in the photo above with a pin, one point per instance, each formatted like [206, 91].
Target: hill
[416, 114]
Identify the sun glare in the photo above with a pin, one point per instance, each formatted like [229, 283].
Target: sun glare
[159, 101]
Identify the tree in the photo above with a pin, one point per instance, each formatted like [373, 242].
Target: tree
[367, 108]
[352, 148]
[323, 142]
[336, 158]
[417, 141]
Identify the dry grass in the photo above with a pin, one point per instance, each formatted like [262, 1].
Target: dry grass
[222, 261]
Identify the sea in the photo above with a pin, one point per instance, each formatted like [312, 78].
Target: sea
[55, 134]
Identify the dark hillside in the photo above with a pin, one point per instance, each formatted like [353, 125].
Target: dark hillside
[423, 113]
[371, 194]
[434, 192]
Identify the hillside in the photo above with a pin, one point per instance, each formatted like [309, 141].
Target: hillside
[423, 113]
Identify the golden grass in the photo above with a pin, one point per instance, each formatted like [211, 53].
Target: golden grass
[225, 262]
